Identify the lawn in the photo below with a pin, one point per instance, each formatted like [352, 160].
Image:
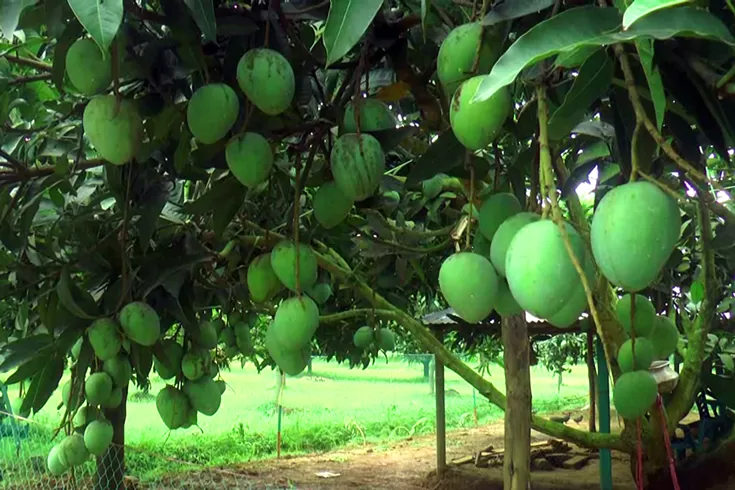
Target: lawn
[334, 407]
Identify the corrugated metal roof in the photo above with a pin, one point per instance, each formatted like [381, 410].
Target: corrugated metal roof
[443, 318]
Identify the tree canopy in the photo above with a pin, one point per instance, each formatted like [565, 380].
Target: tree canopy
[154, 151]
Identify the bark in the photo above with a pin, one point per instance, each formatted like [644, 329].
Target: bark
[517, 455]
[111, 465]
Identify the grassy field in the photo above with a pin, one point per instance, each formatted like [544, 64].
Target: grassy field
[334, 407]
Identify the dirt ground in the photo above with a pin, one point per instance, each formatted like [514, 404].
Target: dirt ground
[409, 465]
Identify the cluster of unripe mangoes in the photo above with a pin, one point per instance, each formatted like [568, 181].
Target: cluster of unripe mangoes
[110, 340]
[527, 267]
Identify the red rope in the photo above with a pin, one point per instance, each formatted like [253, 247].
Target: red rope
[667, 442]
[639, 450]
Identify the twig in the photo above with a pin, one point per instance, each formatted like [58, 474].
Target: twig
[650, 126]
[12, 162]
[35, 173]
[30, 79]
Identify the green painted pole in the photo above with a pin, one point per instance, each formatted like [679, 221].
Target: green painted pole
[603, 386]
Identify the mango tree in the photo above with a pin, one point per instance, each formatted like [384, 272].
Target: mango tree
[175, 172]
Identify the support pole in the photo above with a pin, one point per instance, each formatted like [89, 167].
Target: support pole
[517, 456]
[603, 384]
[591, 374]
[441, 435]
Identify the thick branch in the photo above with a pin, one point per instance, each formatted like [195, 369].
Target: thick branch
[686, 389]
[430, 343]
[358, 312]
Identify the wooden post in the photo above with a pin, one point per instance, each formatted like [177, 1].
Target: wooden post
[604, 390]
[517, 456]
[591, 374]
[441, 436]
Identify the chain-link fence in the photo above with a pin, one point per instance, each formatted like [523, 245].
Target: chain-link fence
[25, 445]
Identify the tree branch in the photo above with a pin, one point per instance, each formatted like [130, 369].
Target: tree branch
[35, 173]
[30, 79]
[683, 397]
[641, 116]
[430, 343]
[358, 312]
[38, 65]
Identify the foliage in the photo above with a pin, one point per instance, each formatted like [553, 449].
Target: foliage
[593, 102]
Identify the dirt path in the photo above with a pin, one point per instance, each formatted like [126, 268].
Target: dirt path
[409, 465]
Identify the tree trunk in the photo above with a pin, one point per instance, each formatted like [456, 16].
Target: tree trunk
[591, 375]
[111, 465]
[517, 458]
[426, 361]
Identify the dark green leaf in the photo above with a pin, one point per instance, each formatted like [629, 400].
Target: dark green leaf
[724, 236]
[43, 385]
[653, 75]
[212, 198]
[22, 351]
[390, 138]
[27, 369]
[513, 9]
[723, 388]
[226, 209]
[203, 13]
[9, 16]
[593, 80]
[100, 18]
[346, 23]
[575, 57]
[71, 33]
[595, 26]
[142, 361]
[79, 302]
[641, 8]
[568, 30]
[443, 154]
[149, 217]
[697, 291]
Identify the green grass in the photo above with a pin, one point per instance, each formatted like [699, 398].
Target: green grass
[334, 407]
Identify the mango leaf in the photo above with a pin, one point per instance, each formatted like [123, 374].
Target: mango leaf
[79, 302]
[724, 236]
[227, 209]
[390, 138]
[575, 57]
[28, 369]
[443, 154]
[70, 34]
[591, 25]
[346, 23]
[696, 291]
[641, 8]
[653, 75]
[43, 385]
[150, 212]
[594, 78]
[425, 7]
[9, 16]
[101, 19]
[211, 199]
[23, 350]
[512, 9]
[723, 388]
[203, 13]
[142, 361]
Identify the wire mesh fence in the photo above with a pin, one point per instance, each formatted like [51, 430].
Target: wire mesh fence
[25, 445]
